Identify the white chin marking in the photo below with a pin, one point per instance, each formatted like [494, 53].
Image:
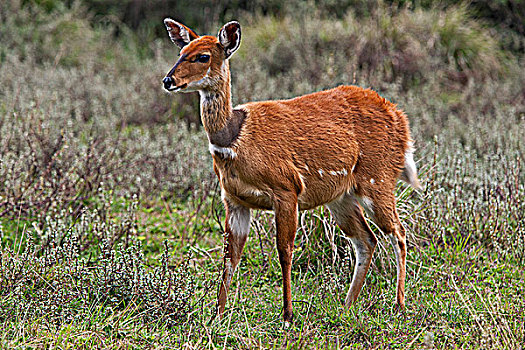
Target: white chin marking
[225, 152]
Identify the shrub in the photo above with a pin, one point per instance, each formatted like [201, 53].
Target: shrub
[75, 266]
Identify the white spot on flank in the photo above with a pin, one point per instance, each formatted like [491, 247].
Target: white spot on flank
[320, 172]
[372, 181]
[353, 167]
[225, 152]
[306, 167]
[339, 172]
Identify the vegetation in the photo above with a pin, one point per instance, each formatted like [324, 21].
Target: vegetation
[110, 217]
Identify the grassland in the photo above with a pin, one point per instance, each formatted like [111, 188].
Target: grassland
[110, 217]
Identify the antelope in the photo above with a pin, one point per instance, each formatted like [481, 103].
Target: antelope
[344, 148]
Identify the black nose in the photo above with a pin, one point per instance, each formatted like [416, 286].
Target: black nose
[168, 81]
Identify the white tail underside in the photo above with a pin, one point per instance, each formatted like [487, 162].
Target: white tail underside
[409, 174]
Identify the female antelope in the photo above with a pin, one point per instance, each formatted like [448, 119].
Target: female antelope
[345, 148]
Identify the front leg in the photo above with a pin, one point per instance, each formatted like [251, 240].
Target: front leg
[237, 227]
[285, 207]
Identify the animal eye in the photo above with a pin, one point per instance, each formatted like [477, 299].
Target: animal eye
[202, 58]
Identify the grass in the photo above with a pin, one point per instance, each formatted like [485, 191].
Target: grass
[457, 297]
[111, 225]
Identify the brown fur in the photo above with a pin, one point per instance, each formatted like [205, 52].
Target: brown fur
[333, 147]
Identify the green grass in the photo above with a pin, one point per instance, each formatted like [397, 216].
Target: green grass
[459, 295]
[456, 297]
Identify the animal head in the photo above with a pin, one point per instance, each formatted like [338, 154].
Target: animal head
[202, 62]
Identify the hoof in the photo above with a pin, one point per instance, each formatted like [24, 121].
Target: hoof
[287, 316]
[399, 308]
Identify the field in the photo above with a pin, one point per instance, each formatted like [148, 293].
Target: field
[111, 223]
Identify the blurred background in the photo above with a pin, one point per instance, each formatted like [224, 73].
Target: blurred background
[88, 72]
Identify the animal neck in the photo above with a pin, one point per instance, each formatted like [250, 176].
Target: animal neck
[216, 104]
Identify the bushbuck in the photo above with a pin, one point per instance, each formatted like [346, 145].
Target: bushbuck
[344, 148]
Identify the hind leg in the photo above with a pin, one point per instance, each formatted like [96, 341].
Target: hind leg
[382, 207]
[349, 216]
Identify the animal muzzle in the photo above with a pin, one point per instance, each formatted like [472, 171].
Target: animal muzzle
[168, 83]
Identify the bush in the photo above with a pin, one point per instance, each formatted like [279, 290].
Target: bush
[71, 121]
[73, 266]
[389, 47]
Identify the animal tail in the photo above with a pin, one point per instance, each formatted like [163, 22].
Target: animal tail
[409, 174]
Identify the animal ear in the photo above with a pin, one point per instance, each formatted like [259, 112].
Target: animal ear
[230, 37]
[179, 33]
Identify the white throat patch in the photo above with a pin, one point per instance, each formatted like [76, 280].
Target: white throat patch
[224, 152]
